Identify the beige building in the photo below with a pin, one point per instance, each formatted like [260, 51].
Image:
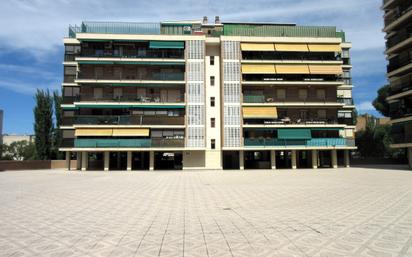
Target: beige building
[201, 95]
[10, 138]
[363, 120]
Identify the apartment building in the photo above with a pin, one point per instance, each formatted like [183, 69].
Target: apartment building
[398, 29]
[206, 95]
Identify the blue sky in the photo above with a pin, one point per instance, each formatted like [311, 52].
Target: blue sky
[31, 48]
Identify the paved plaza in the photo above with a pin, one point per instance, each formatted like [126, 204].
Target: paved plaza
[344, 212]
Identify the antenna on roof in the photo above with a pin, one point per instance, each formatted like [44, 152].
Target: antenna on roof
[205, 20]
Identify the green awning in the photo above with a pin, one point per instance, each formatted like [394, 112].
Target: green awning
[294, 134]
[167, 44]
[69, 108]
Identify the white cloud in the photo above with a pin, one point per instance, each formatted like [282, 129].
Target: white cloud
[365, 106]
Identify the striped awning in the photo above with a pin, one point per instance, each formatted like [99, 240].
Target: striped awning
[292, 69]
[258, 69]
[257, 47]
[325, 69]
[260, 112]
[131, 132]
[324, 48]
[93, 132]
[291, 47]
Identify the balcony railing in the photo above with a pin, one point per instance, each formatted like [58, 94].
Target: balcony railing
[129, 120]
[132, 143]
[401, 85]
[131, 98]
[69, 78]
[153, 76]
[400, 113]
[398, 38]
[399, 61]
[398, 13]
[134, 53]
[288, 121]
[270, 99]
[314, 142]
[129, 143]
[346, 101]
[168, 142]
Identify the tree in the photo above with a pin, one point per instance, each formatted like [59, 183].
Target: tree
[57, 137]
[43, 124]
[380, 103]
[19, 151]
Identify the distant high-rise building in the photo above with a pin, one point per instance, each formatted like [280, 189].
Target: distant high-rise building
[398, 28]
[204, 95]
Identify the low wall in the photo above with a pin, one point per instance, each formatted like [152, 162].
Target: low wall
[35, 165]
[24, 165]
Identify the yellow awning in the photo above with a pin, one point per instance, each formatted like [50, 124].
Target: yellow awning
[292, 69]
[291, 47]
[258, 69]
[131, 132]
[93, 132]
[260, 112]
[257, 47]
[324, 48]
[325, 69]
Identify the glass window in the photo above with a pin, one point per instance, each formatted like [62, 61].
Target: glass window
[303, 94]
[213, 143]
[212, 101]
[281, 93]
[212, 60]
[321, 94]
[70, 70]
[156, 133]
[212, 80]
[212, 122]
[322, 114]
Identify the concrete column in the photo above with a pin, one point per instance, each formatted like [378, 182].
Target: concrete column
[410, 156]
[334, 159]
[273, 159]
[294, 166]
[85, 160]
[129, 161]
[346, 158]
[106, 160]
[241, 160]
[68, 160]
[79, 161]
[151, 160]
[314, 159]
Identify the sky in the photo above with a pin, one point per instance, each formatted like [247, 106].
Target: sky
[32, 32]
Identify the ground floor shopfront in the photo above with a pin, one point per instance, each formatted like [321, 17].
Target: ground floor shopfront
[233, 159]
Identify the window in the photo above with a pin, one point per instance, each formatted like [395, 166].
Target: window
[70, 70]
[212, 80]
[281, 93]
[212, 122]
[212, 60]
[212, 101]
[321, 94]
[117, 93]
[213, 143]
[71, 91]
[303, 94]
[98, 72]
[322, 114]
[98, 92]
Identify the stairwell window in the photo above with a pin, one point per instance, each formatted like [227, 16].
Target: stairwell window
[212, 60]
[212, 80]
[212, 101]
[212, 122]
[213, 143]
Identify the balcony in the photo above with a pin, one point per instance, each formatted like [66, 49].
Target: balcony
[401, 133]
[289, 56]
[398, 13]
[122, 52]
[314, 142]
[402, 85]
[168, 142]
[69, 78]
[115, 143]
[345, 101]
[67, 142]
[128, 120]
[272, 99]
[131, 98]
[403, 59]
[174, 76]
[276, 78]
[399, 37]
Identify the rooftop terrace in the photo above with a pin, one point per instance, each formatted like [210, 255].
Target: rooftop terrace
[229, 29]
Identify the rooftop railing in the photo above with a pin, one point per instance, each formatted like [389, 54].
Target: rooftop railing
[142, 28]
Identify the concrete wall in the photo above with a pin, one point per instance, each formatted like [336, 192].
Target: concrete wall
[34, 165]
[194, 160]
